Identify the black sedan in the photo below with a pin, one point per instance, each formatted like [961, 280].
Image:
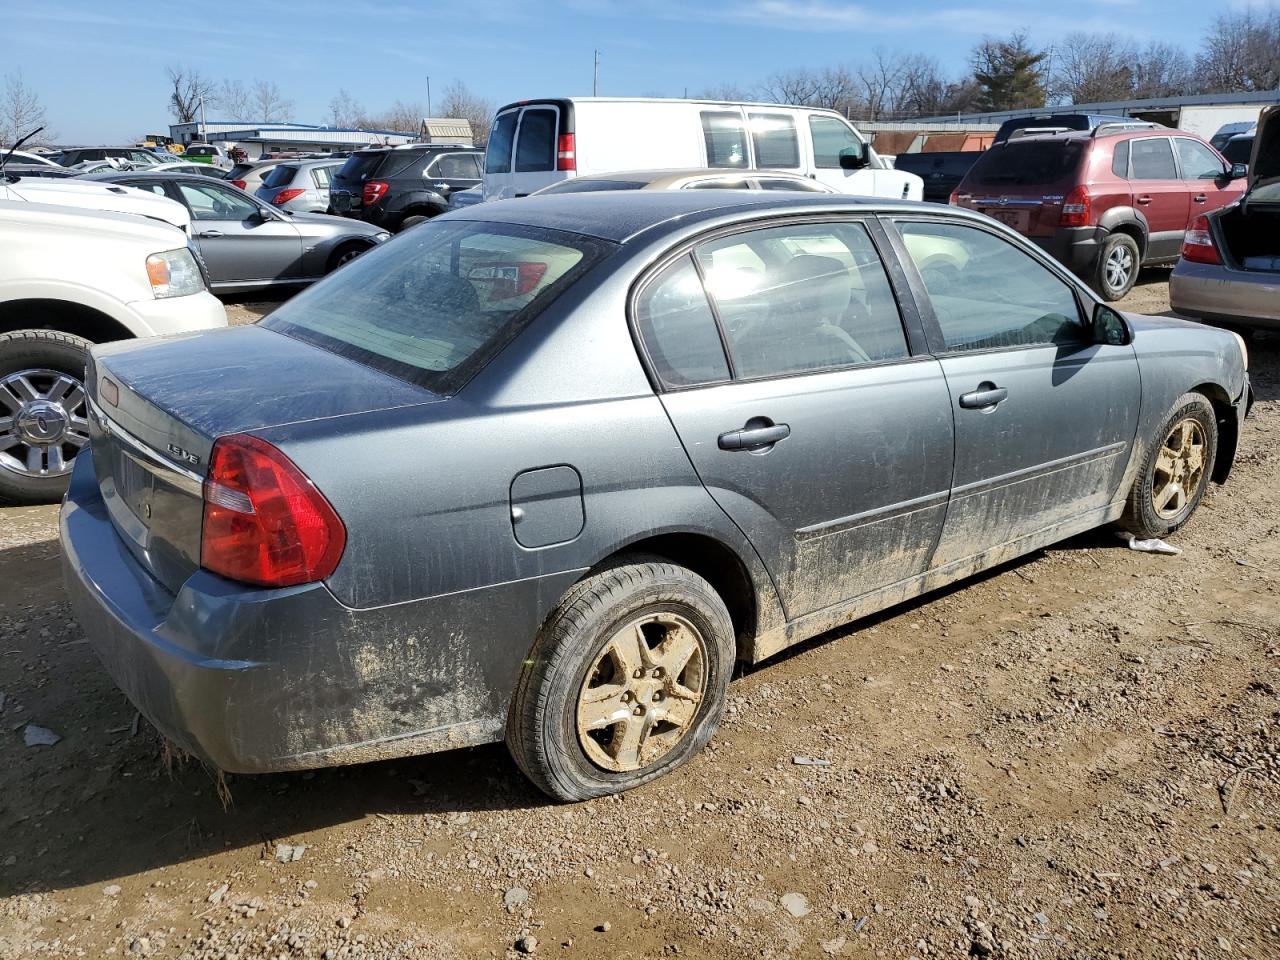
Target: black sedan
[247, 244]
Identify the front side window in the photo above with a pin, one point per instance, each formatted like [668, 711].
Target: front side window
[774, 137]
[678, 328]
[497, 157]
[435, 305]
[1198, 161]
[802, 298]
[725, 137]
[986, 293]
[830, 137]
[210, 202]
[536, 142]
[1152, 159]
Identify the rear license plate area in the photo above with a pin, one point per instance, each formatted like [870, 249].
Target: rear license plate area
[1017, 219]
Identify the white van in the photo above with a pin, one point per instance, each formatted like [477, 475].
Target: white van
[535, 143]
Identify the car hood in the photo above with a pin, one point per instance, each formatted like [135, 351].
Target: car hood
[1264, 161]
[108, 197]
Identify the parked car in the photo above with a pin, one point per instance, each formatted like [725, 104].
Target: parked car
[181, 166]
[85, 194]
[396, 187]
[246, 244]
[27, 157]
[301, 186]
[248, 175]
[138, 156]
[1057, 122]
[1230, 267]
[545, 468]
[1239, 148]
[1228, 131]
[941, 171]
[19, 170]
[535, 143]
[207, 153]
[1104, 202]
[704, 179]
[69, 278]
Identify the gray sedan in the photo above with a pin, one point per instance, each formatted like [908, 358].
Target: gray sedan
[247, 245]
[545, 469]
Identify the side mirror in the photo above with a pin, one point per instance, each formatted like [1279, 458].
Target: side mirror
[1109, 327]
[1239, 171]
[853, 158]
[265, 215]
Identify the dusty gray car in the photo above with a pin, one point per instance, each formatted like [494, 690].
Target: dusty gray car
[248, 245]
[544, 469]
[1229, 272]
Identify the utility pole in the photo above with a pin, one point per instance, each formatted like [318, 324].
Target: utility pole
[595, 77]
[428, 96]
[202, 124]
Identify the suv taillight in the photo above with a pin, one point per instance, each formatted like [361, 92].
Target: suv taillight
[284, 196]
[237, 183]
[265, 522]
[373, 191]
[1076, 209]
[1198, 245]
[566, 154]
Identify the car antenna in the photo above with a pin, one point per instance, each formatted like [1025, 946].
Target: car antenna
[10, 154]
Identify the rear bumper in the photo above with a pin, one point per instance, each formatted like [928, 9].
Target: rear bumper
[1074, 247]
[1218, 293]
[255, 680]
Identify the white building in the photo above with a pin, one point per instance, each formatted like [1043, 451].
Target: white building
[256, 139]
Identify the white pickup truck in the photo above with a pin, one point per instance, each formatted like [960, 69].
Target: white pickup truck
[110, 197]
[69, 278]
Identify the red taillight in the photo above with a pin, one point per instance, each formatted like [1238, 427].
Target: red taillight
[954, 199]
[373, 191]
[237, 183]
[284, 196]
[1077, 210]
[1198, 245]
[265, 523]
[566, 154]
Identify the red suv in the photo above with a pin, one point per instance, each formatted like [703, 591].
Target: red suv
[1104, 201]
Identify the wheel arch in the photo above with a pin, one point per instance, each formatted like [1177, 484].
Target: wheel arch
[1228, 429]
[65, 316]
[1129, 221]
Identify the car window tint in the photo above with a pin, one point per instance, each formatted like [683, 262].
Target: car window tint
[774, 137]
[784, 183]
[281, 175]
[986, 292]
[497, 158]
[725, 137]
[678, 328]
[536, 141]
[1198, 161]
[718, 183]
[1023, 162]
[1153, 159]
[1120, 160]
[454, 166]
[150, 187]
[802, 298]
[830, 136]
[209, 202]
[1238, 150]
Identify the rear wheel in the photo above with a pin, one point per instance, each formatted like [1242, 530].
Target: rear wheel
[1176, 470]
[43, 413]
[413, 221]
[1117, 268]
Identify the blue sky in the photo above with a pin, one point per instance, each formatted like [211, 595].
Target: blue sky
[100, 67]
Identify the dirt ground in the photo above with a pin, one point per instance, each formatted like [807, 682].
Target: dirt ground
[1074, 756]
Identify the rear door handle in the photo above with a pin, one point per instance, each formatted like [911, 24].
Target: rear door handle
[1144, 200]
[754, 435]
[1199, 198]
[210, 234]
[985, 397]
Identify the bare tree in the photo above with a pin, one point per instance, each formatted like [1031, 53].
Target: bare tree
[187, 89]
[402, 117]
[797, 87]
[458, 101]
[1089, 67]
[269, 104]
[725, 91]
[344, 111]
[926, 92]
[1241, 52]
[881, 79]
[21, 111]
[233, 101]
[1164, 70]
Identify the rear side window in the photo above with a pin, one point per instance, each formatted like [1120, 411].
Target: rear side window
[536, 142]
[678, 328]
[455, 166]
[784, 183]
[1120, 160]
[437, 304]
[831, 137]
[1198, 161]
[774, 137]
[1153, 159]
[497, 158]
[1028, 162]
[321, 176]
[279, 176]
[718, 183]
[725, 137]
[1238, 151]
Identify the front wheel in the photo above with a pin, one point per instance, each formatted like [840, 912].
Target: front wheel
[345, 254]
[1117, 268]
[626, 681]
[1176, 470]
[44, 417]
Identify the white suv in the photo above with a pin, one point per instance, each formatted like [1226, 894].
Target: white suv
[70, 278]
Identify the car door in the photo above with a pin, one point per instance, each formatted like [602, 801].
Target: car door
[534, 159]
[789, 379]
[1206, 175]
[1160, 194]
[1045, 417]
[829, 138]
[241, 241]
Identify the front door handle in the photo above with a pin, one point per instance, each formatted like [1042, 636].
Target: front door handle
[984, 398]
[1144, 200]
[210, 234]
[758, 432]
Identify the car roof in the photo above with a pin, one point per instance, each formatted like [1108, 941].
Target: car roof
[682, 173]
[619, 216]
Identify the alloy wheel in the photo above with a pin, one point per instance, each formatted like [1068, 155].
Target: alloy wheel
[1119, 268]
[1179, 468]
[43, 422]
[641, 696]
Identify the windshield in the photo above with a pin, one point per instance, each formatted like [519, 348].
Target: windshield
[200, 151]
[1028, 162]
[433, 305]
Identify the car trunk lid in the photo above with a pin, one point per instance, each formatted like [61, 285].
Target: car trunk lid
[156, 408]
[1023, 183]
[1264, 161]
[346, 189]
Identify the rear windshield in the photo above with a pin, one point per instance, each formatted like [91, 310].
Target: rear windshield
[433, 305]
[584, 185]
[360, 166]
[279, 176]
[1028, 162]
[239, 170]
[200, 151]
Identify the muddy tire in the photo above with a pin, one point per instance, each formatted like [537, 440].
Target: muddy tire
[1116, 271]
[43, 416]
[626, 681]
[1176, 470]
